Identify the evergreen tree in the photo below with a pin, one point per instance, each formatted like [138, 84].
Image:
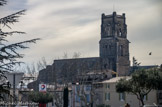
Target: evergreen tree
[66, 95]
[8, 52]
[41, 97]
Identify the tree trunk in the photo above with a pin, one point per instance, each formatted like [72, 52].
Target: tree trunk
[140, 98]
[142, 102]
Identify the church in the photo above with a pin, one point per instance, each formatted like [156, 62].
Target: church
[113, 55]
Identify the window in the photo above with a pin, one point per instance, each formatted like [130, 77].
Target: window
[107, 86]
[145, 98]
[122, 96]
[77, 88]
[77, 98]
[110, 47]
[105, 66]
[106, 46]
[160, 95]
[121, 50]
[107, 96]
[120, 32]
[88, 88]
[88, 97]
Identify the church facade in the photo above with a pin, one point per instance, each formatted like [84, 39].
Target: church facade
[113, 55]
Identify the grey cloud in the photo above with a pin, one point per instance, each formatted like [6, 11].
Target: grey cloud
[69, 25]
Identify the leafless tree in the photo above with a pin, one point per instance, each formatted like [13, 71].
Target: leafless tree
[33, 69]
[41, 64]
[30, 69]
[87, 79]
[76, 54]
[65, 56]
[58, 96]
[68, 69]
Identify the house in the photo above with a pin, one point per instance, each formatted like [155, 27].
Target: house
[110, 98]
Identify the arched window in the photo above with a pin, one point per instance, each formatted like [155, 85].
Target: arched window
[121, 50]
[120, 32]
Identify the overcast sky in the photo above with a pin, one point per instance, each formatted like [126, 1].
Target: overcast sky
[68, 26]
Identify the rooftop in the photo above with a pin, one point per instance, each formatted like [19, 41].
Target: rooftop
[115, 79]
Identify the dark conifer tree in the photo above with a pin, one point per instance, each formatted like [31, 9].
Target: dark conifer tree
[66, 94]
[8, 52]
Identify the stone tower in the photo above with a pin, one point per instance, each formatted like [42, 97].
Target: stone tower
[114, 46]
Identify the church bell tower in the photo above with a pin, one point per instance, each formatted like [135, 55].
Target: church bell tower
[114, 45]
